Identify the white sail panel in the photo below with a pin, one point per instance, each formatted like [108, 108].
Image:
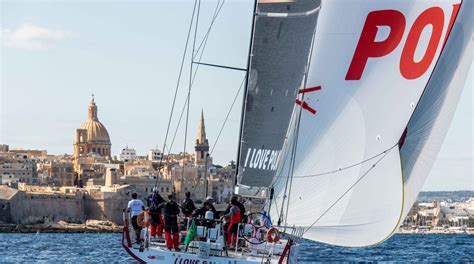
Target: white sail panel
[366, 214]
[430, 122]
[368, 71]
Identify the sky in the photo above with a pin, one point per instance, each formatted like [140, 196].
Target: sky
[55, 54]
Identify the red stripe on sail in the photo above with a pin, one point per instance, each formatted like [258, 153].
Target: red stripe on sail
[305, 106]
[308, 90]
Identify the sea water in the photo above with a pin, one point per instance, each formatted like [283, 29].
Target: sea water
[106, 248]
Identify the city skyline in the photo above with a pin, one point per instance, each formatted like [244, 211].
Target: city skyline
[128, 55]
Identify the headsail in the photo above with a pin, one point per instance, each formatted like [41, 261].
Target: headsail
[280, 48]
[371, 67]
[430, 121]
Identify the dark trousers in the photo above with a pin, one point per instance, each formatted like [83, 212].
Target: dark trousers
[137, 228]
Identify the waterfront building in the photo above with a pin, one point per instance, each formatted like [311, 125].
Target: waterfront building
[57, 172]
[8, 179]
[127, 154]
[18, 169]
[440, 215]
[30, 153]
[139, 168]
[155, 155]
[4, 148]
[145, 184]
[92, 136]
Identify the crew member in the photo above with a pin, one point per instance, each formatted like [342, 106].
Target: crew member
[210, 200]
[201, 212]
[135, 206]
[171, 212]
[234, 220]
[239, 204]
[156, 226]
[188, 207]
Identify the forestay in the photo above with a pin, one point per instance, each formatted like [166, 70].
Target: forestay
[369, 69]
[280, 48]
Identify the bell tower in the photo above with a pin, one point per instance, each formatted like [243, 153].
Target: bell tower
[202, 145]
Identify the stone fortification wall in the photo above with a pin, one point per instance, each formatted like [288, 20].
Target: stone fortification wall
[72, 206]
[35, 208]
[94, 205]
[114, 203]
[6, 194]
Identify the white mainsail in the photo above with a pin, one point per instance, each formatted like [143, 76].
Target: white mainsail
[349, 185]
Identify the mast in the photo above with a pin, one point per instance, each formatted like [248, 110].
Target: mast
[249, 60]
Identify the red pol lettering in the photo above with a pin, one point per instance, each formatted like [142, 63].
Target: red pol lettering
[410, 69]
[368, 47]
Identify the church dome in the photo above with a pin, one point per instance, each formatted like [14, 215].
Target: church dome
[96, 131]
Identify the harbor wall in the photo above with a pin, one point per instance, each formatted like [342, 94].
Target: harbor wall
[29, 208]
[36, 208]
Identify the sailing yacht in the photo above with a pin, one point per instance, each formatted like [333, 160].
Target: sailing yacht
[346, 106]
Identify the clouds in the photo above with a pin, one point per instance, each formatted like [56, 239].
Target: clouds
[32, 37]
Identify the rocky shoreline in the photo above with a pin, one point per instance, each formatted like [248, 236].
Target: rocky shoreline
[91, 226]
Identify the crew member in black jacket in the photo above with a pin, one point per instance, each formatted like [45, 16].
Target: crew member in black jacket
[170, 213]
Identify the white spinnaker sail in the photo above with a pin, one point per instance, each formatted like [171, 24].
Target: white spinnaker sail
[372, 65]
[430, 121]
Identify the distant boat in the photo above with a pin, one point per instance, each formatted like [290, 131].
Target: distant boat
[346, 106]
[470, 231]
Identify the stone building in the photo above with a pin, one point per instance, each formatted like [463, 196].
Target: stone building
[155, 155]
[127, 154]
[92, 137]
[17, 169]
[4, 148]
[58, 172]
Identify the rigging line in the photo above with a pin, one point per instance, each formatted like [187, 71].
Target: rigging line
[206, 38]
[341, 169]
[177, 87]
[277, 210]
[227, 116]
[350, 188]
[216, 13]
[189, 90]
[288, 178]
[220, 66]
[186, 101]
[292, 163]
[194, 78]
